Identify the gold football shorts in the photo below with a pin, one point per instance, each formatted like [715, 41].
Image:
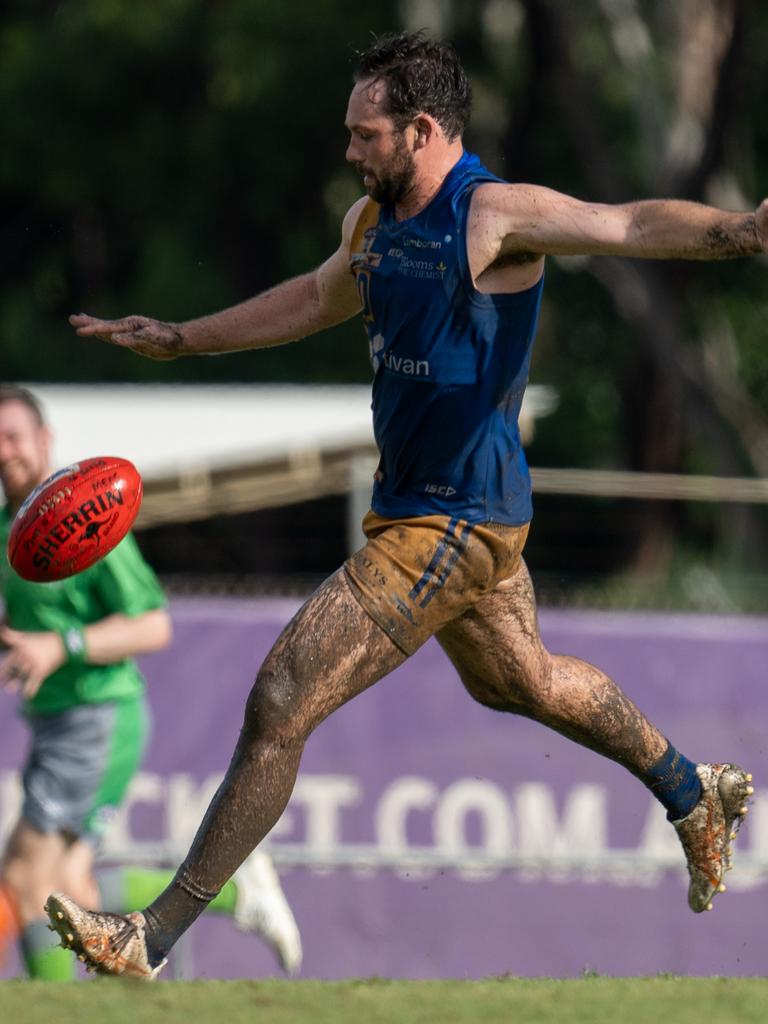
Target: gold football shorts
[415, 575]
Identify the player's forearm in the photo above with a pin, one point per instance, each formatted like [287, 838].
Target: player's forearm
[290, 311]
[121, 636]
[676, 229]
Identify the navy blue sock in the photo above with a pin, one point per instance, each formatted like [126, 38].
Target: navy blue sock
[674, 782]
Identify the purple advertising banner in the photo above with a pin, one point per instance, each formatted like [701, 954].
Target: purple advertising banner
[415, 765]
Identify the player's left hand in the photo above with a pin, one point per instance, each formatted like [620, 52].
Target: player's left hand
[30, 659]
[155, 339]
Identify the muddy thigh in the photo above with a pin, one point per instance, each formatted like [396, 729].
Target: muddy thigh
[499, 655]
[496, 648]
[330, 651]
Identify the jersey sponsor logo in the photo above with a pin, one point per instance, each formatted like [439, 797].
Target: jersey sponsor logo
[402, 364]
[422, 243]
[363, 260]
[425, 269]
[410, 266]
[397, 364]
[442, 490]
[366, 258]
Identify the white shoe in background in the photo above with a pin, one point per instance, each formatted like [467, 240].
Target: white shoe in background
[262, 908]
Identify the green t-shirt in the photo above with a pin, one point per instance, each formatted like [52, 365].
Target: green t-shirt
[122, 582]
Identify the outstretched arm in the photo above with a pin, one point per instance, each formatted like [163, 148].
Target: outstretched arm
[291, 310]
[531, 219]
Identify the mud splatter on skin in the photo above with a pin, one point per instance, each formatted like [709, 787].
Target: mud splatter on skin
[328, 653]
[498, 653]
[153, 338]
[332, 651]
[742, 239]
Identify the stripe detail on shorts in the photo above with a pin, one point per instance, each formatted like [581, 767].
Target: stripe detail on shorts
[429, 572]
[459, 547]
[428, 577]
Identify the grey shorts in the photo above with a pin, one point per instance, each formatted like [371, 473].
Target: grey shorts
[80, 764]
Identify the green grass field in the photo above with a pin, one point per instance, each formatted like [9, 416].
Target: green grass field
[375, 1001]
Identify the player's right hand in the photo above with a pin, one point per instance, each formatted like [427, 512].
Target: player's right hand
[155, 339]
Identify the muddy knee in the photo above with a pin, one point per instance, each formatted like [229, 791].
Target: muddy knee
[279, 707]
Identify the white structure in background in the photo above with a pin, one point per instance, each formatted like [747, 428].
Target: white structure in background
[206, 450]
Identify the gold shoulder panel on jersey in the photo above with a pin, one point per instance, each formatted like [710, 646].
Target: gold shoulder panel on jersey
[359, 244]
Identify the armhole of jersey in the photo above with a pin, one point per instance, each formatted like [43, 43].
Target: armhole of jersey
[472, 292]
[462, 242]
[369, 216]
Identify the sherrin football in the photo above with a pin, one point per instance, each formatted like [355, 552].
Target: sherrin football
[74, 518]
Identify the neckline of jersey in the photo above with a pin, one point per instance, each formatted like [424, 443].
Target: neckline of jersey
[389, 211]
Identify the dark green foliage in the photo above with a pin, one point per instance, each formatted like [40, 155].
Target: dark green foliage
[174, 157]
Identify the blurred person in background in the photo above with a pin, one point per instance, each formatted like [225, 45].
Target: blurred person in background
[445, 262]
[68, 651]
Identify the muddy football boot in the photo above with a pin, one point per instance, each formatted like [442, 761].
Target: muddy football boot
[708, 831]
[105, 943]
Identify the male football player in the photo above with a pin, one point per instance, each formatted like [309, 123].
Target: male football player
[445, 263]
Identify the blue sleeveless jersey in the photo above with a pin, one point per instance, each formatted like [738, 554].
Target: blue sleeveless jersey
[450, 363]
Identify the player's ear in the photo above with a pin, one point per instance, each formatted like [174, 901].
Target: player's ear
[424, 129]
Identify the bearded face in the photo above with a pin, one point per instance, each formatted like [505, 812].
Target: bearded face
[393, 179]
[378, 149]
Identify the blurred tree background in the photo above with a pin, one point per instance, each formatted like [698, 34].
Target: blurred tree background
[171, 157]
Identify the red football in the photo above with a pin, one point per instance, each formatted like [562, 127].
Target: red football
[74, 518]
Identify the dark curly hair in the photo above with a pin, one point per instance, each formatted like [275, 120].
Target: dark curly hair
[422, 76]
